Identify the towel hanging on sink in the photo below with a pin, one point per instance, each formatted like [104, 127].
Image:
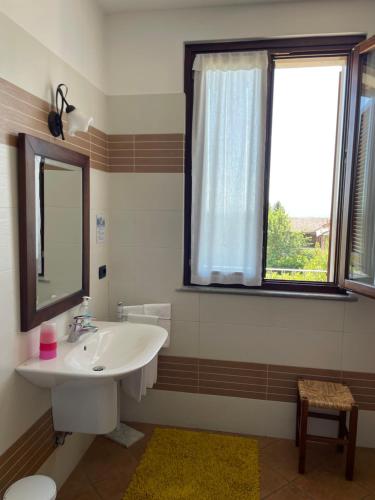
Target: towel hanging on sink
[135, 384]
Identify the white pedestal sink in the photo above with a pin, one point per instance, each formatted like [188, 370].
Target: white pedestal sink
[83, 378]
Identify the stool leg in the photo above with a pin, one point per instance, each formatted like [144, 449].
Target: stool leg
[302, 436]
[341, 433]
[353, 420]
[298, 418]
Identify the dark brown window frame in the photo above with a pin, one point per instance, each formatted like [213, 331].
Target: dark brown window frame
[282, 47]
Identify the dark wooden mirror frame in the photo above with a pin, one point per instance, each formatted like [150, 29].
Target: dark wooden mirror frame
[28, 147]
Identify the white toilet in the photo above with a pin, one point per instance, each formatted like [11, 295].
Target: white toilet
[32, 488]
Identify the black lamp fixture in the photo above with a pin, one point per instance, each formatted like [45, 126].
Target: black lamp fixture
[77, 121]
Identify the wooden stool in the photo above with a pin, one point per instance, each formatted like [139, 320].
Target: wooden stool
[330, 396]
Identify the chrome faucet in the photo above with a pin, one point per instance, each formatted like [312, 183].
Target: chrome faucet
[81, 325]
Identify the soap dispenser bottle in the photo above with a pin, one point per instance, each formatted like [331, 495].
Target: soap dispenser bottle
[84, 311]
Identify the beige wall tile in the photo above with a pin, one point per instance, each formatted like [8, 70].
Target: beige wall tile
[99, 289]
[358, 352]
[247, 416]
[123, 263]
[360, 316]
[99, 189]
[270, 311]
[8, 239]
[184, 339]
[123, 226]
[9, 305]
[8, 176]
[159, 228]
[146, 191]
[285, 346]
[146, 114]
[158, 272]
[62, 462]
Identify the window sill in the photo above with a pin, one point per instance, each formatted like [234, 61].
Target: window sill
[347, 297]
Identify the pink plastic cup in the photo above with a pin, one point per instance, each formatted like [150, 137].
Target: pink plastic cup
[48, 341]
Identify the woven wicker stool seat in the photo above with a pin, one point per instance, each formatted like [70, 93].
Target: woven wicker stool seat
[326, 395]
[313, 394]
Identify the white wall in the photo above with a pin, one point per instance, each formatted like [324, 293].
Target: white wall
[145, 49]
[24, 402]
[71, 29]
[145, 67]
[27, 63]
[146, 213]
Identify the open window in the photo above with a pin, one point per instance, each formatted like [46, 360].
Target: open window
[358, 249]
[279, 176]
[305, 168]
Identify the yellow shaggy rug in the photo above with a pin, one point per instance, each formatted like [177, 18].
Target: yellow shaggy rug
[189, 465]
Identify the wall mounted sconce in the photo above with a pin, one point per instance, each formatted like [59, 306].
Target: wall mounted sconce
[77, 121]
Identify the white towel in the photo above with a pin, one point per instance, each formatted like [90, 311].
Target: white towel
[166, 324]
[151, 373]
[135, 384]
[132, 385]
[133, 309]
[143, 318]
[161, 310]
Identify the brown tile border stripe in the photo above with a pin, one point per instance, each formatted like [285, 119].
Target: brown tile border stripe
[21, 111]
[254, 380]
[28, 453]
[146, 153]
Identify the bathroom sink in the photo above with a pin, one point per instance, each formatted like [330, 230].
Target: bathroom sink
[115, 350]
[84, 377]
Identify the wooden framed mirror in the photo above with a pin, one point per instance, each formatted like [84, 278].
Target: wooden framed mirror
[54, 229]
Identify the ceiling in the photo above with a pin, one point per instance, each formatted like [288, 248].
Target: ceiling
[112, 6]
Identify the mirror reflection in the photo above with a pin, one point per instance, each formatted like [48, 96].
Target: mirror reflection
[58, 204]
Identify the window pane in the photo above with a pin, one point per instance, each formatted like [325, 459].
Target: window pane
[362, 244]
[305, 157]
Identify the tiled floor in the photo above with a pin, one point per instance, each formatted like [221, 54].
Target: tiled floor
[106, 469]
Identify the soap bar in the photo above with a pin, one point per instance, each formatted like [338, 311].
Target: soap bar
[48, 341]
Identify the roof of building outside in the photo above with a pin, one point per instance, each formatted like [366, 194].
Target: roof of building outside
[308, 224]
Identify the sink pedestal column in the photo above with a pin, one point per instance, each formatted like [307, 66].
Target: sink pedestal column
[86, 407]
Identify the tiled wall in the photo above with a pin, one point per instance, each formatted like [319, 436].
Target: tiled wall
[28, 453]
[147, 220]
[137, 182]
[255, 380]
[24, 112]
[21, 111]
[146, 260]
[146, 153]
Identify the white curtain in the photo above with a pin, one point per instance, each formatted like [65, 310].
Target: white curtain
[228, 139]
